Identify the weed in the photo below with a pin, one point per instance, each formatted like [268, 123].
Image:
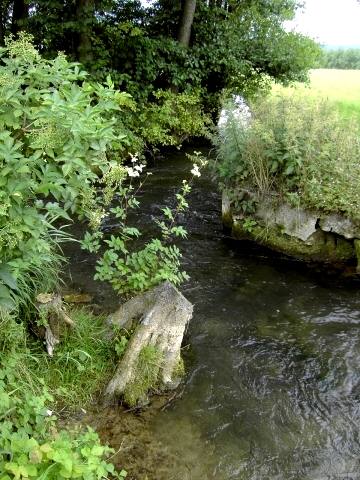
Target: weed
[302, 148]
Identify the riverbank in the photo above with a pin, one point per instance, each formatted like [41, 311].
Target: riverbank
[308, 235]
[289, 173]
[271, 388]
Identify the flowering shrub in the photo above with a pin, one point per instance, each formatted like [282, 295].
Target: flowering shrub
[130, 270]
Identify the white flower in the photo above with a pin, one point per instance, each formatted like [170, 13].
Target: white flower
[49, 412]
[132, 172]
[140, 167]
[134, 158]
[195, 170]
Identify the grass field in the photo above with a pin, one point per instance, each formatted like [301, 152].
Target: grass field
[339, 86]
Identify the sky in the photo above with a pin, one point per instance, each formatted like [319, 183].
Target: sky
[331, 22]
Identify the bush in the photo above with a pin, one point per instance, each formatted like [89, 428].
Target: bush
[59, 134]
[172, 118]
[297, 147]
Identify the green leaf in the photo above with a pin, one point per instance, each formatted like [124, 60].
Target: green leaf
[23, 169]
[7, 277]
[66, 169]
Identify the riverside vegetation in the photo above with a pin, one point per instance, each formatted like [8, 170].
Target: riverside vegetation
[73, 150]
[45, 150]
[297, 149]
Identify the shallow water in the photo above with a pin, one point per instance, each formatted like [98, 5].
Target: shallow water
[273, 374]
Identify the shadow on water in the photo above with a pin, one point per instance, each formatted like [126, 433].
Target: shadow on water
[273, 382]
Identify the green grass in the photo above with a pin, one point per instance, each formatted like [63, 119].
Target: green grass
[82, 363]
[342, 87]
[35, 390]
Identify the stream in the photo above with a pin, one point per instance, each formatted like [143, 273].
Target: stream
[272, 389]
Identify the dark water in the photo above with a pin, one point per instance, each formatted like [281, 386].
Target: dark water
[273, 374]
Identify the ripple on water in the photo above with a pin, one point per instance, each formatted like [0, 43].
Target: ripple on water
[273, 384]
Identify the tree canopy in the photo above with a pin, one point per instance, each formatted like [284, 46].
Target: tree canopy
[342, 58]
[184, 45]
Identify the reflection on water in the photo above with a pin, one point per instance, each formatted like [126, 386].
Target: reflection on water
[273, 383]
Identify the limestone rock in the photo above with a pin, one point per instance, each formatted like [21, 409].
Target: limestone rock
[295, 222]
[341, 225]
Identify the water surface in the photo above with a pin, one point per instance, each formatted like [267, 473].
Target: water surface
[272, 390]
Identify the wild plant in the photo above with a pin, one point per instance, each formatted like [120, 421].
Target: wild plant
[131, 270]
[59, 135]
[294, 147]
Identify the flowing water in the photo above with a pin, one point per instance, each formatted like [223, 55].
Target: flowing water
[272, 389]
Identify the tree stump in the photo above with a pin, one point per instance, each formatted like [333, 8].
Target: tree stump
[161, 315]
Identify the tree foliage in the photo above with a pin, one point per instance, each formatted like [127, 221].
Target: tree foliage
[341, 58]
[207, 45]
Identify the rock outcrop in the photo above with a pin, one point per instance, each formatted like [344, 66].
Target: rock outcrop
[306, 234]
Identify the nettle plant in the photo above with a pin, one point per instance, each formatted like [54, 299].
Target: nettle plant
[59, 135]
[130, 269]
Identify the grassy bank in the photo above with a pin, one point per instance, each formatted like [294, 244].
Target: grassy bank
[340, 87]
[298, 147]
[36, 390]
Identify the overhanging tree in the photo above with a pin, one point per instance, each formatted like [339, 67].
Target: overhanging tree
[203, 46]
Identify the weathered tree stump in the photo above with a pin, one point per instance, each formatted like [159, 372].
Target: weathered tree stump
[161, 315]
[53, 317]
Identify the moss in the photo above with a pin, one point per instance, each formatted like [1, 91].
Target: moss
[146, 376]
[227, 220]
[179, 370]
[326, 246]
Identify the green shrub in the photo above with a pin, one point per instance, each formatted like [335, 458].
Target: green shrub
[131, 269]
[172, 118]
[63, 137]
[297, 147]
[58, 135]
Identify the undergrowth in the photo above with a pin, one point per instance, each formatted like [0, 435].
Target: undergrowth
[298, 148]
[34, 390]
[82, 363]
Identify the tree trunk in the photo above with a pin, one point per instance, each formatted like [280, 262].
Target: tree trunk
[162, 315]
[19, 14]
[85, 17]
[187, 18]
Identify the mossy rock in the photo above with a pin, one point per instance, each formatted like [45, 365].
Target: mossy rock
[357, 251]
[146, 376]
[325, 247]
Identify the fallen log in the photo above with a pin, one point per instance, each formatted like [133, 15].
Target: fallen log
[152, 360]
